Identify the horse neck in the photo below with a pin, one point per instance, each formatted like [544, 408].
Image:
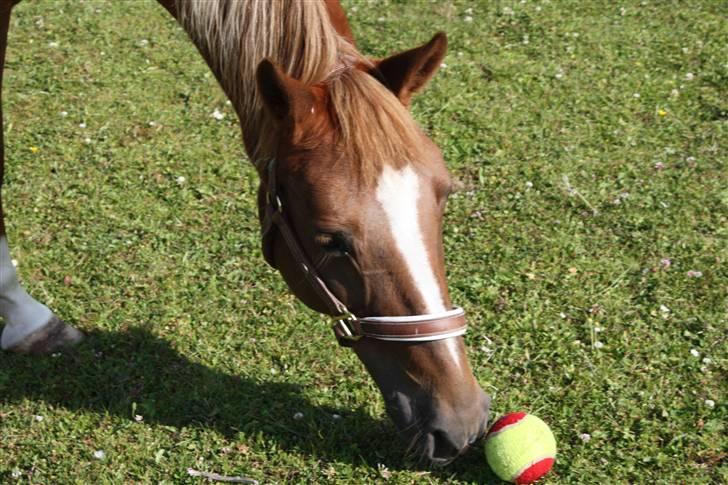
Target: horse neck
[224, 33]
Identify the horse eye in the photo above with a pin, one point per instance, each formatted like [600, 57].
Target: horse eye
[335, 243]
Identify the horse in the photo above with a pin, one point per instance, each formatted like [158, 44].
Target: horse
[351, 201]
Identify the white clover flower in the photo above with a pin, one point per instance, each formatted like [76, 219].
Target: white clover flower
[143, 43]
[507, 11]
[585, 437]
[467, 18]
[707, 360]
[694, 274]
[689, 76]
[87, 140]
[336, 417]
[99, 454]
[138, 418]
[14, 262]
[690, 159]
[82, 125]
[709, 403]
[636, 95]
[298, 416]
[529, 184]
[38, 418]
[181, 180]
[64, 114]
[16, 473]
[694, 353]
[52, 45]
[598, 344]
[443, 65]
[217, 114]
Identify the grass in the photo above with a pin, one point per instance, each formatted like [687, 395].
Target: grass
[589, 142]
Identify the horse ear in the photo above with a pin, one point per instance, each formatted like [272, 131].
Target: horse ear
[408, 72]
[286, 98]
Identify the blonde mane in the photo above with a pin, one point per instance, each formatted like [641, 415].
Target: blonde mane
[235, 35]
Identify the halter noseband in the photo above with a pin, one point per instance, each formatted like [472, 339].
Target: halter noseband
[347, 327]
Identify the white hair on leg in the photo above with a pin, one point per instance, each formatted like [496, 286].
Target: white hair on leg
[21, 313]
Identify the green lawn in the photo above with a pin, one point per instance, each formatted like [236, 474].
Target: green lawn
[587, 242]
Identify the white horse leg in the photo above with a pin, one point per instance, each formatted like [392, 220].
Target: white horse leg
[21, 313]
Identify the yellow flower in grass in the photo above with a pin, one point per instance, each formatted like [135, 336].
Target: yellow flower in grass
[662, 112]
[34, 149]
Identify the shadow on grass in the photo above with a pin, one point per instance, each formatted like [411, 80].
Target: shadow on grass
[110, 372]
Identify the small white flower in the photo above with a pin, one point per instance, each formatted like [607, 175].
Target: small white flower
[598, 329]
[685, 50]
[181, 180]
[664, 309]
[468, 18]
[298, 416]
[585, 437]
[526, 39]
[87, 140]
[14, 262]
[443, 65]
[381, 19]
[529, 184]
[38, 418]
[138, 418]
[16, 473]
[694, 353]
[707, 360]
[559, 74]
[689, 76]
[622, 11]
[690, 159]
[143, 43]
[468, 11]
[273, 370]
[52, 45]
[64, 114]
[710, 403]
[82, 125]
[694, 274]
[507, 11]
[336, 417]
[538, 8]
[152, 124]
[562, 315]
[675, 93]
[99, 454]
[636, 95]
[598, 344]
[217, 114]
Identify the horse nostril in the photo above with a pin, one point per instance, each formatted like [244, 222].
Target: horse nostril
[444, 449]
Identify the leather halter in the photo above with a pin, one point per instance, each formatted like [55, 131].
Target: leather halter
[347, 327]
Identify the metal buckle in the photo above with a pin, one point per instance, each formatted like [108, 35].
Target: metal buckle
[274, 202]
[344, 330]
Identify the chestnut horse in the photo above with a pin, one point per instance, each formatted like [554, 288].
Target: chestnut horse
[351, 201]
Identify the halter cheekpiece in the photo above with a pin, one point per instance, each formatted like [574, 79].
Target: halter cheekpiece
[347, 327]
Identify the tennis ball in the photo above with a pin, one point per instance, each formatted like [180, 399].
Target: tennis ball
[520, 448]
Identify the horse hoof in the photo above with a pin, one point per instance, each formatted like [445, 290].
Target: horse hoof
[52, 337]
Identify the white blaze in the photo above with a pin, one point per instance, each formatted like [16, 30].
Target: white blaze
[398, 192]
[21, 313]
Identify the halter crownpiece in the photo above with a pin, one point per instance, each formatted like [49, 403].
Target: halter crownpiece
[347, 327]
